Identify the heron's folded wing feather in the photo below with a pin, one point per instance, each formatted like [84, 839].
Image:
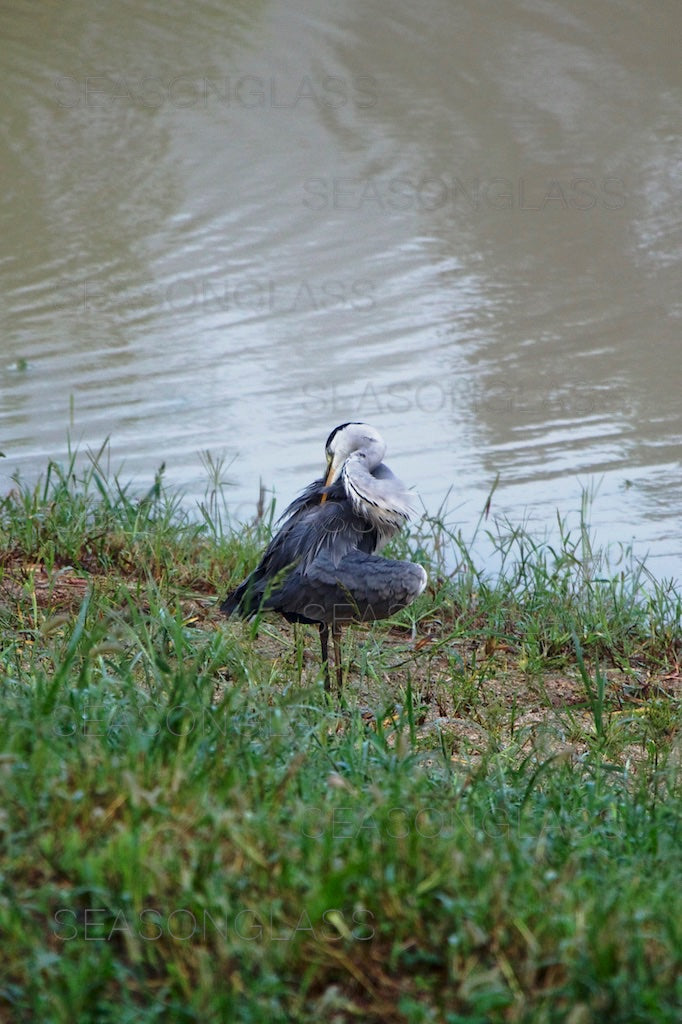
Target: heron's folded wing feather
[359, 587]
[332, 529]
[311, 495]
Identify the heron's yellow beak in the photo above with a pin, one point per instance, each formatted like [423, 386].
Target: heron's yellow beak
[332, 473]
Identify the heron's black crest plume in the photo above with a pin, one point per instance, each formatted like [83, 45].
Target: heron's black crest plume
[341, 426]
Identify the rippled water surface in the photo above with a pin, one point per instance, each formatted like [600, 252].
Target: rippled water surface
[232, 226]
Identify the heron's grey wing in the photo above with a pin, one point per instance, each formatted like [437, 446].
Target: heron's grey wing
[280, 553]
[313, 529]
[360, 587]
[332, 529]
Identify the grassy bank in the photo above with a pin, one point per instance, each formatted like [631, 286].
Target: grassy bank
[486, 827]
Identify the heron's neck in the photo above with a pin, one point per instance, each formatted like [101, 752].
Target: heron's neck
[383, 503]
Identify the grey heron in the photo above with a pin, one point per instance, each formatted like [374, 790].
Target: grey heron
[323, 566]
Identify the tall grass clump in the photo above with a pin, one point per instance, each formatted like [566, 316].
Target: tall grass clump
[541, 593]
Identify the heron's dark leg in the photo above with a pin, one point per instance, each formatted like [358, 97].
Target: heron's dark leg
[336, 637]
[324, 644]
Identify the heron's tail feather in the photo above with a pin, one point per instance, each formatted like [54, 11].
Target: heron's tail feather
[231, 603]
[245, 600]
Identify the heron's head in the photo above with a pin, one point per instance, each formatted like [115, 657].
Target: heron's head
[348, 438]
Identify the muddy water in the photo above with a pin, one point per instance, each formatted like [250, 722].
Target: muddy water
[230, 227]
